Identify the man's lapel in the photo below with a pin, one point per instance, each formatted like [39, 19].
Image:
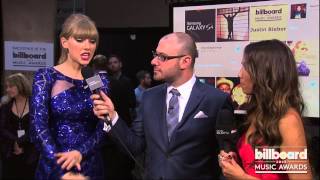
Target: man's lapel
[161, 123]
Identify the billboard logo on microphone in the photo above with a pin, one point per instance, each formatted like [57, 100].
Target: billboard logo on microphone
[94, 82]
[221, 132]
[225, 132]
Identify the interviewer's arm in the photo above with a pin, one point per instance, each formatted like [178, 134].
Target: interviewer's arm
[132, 137]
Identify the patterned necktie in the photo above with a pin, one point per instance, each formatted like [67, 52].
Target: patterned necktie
[173, 111]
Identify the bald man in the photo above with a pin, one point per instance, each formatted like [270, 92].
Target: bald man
[176, 120]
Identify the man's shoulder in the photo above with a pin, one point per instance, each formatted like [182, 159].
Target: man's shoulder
[155, 89]
[206, 87]
[209, 90]
[138, 90]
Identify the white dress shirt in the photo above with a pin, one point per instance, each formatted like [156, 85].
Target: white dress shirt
[185, 91]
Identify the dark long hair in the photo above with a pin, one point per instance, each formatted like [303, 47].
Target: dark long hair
[272, 69]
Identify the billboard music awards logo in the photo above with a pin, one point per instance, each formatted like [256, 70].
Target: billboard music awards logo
[200, 24]
[272, 160]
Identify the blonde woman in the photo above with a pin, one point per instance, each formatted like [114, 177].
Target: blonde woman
[63, 124]
[17, 151]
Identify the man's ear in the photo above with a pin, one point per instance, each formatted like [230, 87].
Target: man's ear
[186, 62]
[64, 42]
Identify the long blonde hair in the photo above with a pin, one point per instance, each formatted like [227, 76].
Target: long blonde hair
[78, 26]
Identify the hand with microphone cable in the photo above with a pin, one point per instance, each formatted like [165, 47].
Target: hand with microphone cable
[226, 133]
[230, 167]
[103, 106]
[104, 109]
[227, 136]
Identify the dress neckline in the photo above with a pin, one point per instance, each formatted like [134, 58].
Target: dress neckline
[24, 115]
[68, 77]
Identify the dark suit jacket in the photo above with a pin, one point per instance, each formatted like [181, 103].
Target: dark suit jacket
[123, 97]
[192, 150]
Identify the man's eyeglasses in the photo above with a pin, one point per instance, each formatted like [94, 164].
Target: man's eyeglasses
[163, 57]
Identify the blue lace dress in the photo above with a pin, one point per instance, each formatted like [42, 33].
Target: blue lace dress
[62, 120]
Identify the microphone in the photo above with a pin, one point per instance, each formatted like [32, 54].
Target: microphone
[94, 83]
[226, 130]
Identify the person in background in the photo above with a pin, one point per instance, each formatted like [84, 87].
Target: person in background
[239, 98]
[99, 63]
[4, 100]
[127, 103]
[63, 125]
[144, 78]
[225, 85]
[269, 75]
[176, 120]
[117, 165]
[19, 154]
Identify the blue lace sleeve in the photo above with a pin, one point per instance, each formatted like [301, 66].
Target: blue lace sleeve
[39, 117]
[95, 140]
